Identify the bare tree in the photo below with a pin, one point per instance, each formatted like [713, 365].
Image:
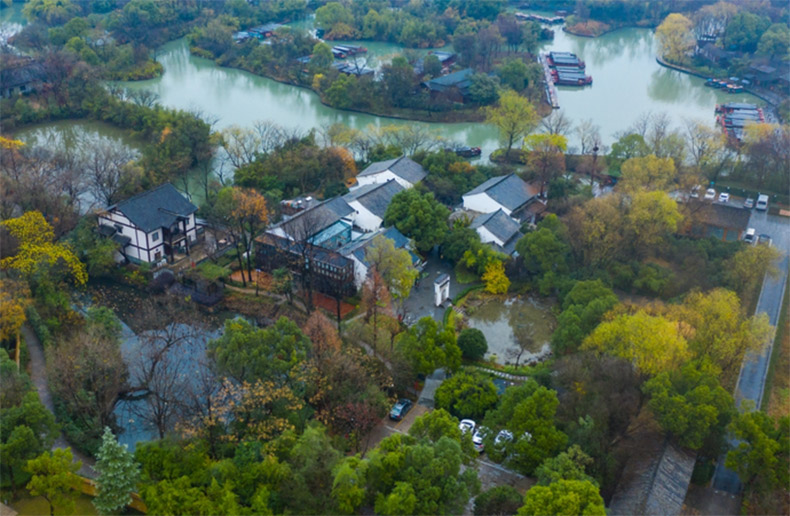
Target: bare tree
[557, 123]
[641, 124]
[589, 136]
[145, 98]
[109, 168]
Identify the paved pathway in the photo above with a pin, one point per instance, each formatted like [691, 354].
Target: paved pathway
[751, 381]
[38, 375]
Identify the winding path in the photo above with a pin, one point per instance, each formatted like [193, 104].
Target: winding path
[38, 375]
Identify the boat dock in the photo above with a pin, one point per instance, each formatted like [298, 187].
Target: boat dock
[551, 90]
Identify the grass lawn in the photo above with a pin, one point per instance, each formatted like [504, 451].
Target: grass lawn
[464, 276]
[777, 386]
[29, 506]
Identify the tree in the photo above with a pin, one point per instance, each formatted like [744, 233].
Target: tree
[36, 247]
[332, 14]
[767, 147]
[744, 30]
[459, 239]
[311, 459]
[17, 449]
[546, 156]
[109, 167]
[495, 279]
[544, 254]
[762, 456]
[472, 343]
[691, 406]
[596, 230]
[514, 117]
[775, 41]
[399, 81]
[568, 465]
[466, 395]
[322, 57]
[54, 479]
[15, 297]
[245, 211]
[118, 475]
[426, 347]
[348, 485]
[749, 265]
[647, 174]
[675, 38]
[322, 333]
[514, 73]
[498, 501]
[564, 497]
[246, 353]
[631, 145]
[650, 219]
[419, 216]
[528, 412]
[376, 299]
[582, 309]
[394, 265]
[556, 123]
[653, 343]
[51, 12]
[483, 89]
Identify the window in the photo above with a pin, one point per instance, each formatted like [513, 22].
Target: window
[155, 236]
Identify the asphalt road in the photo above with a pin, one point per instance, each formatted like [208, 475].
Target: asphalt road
[751, 381]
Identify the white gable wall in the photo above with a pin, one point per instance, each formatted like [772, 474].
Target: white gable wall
[360, 271]
[482, 203]
[364, 218]
[487, 237]
[382, 177]
[143, 246]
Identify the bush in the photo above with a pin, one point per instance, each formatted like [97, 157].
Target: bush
[652, 279]
[38, 325]
[472, 343]
[498, 500]
[467, 395]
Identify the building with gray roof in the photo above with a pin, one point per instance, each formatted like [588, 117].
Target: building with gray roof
[371, 203]
[403, 170]
[499, 230]
[509, 193]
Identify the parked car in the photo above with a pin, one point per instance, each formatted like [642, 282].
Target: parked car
[748, 203]
[467, 425]
[724, 197]
[749, 237]
[765, 240]
[762, 202]
[695, 192]
[401, 408]
[477, 438]
[710, 194]
[503, 437]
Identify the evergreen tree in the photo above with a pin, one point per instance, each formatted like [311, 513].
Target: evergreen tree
[118, 475]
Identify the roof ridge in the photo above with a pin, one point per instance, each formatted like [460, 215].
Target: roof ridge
[142, 194]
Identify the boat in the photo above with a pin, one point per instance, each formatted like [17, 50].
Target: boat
[468, 152]
[734, 88]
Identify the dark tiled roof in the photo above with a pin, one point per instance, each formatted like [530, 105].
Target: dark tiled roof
[316, 218]
[721, 215]
[358, 247]
[157, 208]
[375, 198]
[402, 167]
[656, 484]
[460, 80]
[499, 223]
[510, 191]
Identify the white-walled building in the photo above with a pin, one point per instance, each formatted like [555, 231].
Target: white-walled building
[355, 251]
[370, 203]
[509, 193]
[499, 230]
[152, 226]
[403, 170]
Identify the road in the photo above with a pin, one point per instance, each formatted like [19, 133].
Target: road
[751, 381]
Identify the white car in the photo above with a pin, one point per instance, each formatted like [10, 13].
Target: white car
[477, 438]
[695, 192]
[467, 425]
[750, 237]
[724, 197]
[710, 194]
[504, 436]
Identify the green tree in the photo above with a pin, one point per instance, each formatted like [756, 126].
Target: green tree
[118, 475]
[348, 485]
[322, 57]
[399, 81]
[401, 501]
[675, 38]
[626, 147]
[528, 412]
[744, 31]
[394, 265]
[431, 66]
[749, 265]
[483, 89]
[653, 343]
[691, 406]
[564, 497]
[762, 457]
[582, 310]
[775, 41]
[54, 478]
[514, 117]
[472, 343]
[419, 216]
[467, 395]
[458, 240]
[647, 173]
[246, 353]
[498, 501]
[312, 459]
[568, 465]
[426, 346]
[339, 94]
[545, 255]
[332, 14]
[514, 73]
[51, 12]
[16, 449]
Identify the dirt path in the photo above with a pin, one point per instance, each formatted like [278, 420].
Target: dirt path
[38, 375]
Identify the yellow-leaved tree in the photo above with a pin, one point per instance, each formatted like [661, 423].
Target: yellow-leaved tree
[675, 38]
[495, 278]
[14, 299]
[36, 246]
[652, 343]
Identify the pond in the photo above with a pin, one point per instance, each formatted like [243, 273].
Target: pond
[516, 329]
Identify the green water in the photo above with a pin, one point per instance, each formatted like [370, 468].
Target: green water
[512, 325]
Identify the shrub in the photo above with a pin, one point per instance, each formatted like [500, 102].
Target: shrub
[467, 395]
[38, 325]
[472, 343]
[498, 500]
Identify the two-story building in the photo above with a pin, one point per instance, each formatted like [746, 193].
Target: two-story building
[370, 203]
[509, 193]
[151, 227]
[356, 251]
